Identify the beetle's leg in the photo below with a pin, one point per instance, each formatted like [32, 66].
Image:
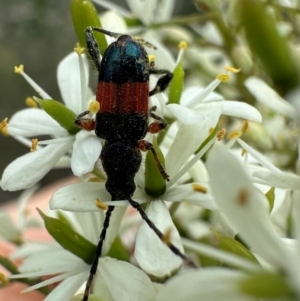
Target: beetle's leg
[163, 82]
[87, 124]
[144, 146]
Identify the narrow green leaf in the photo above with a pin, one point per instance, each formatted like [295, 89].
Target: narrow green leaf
[271, 197]
[84, 14]
[69, 239]
[176, 85]
[266, 285]
[60, 113]
[118, 251]
[268, 47]
[155, 184]
[227, 244]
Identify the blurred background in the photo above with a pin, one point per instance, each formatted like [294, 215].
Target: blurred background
[37, 34]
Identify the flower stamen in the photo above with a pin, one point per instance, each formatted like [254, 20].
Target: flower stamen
[233, 135]
[101, 205]
[221, 134]
[30, 102]
[34, 143]
[232, 69]
[199, 188]
[78, 49]
[223, 77]
[94, 107]
[3, 123]
[245, 126]
[166, 238]
[19, 69]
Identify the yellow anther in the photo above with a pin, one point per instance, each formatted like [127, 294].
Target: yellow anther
[101, 205]
[232, 135]
[34, 143]
[232, 69]
[182, 45]
[221, 134]
[78, 49]
[4, 131]
[94, 107]
[243, 152]
[199, 188]
[243, 197]
[223, 77]
[30, 102]
[245, 126]
[95, 180]
[3, 123]
[211, 130]
[151, 58]
[166, 238]
[3, 279]
[19, 69]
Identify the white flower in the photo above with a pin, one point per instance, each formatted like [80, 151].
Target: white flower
[27, 170]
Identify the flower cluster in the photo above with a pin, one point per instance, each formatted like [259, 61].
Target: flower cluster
[231, 203]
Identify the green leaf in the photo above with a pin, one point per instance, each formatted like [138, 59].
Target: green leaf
[69, 239]
[118, 251]
[225, 243]
[268, 47]
[60, 113]
[176, 85]
[155, 184]
[266, 285]
[271, 197]
[84, 14]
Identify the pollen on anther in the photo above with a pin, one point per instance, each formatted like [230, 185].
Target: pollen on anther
[223, 77]
[233, 135]
[19, 69]
[34, 143]
[94, 107]
[232, 69]
[3, 123]
[182, 45]
[243, 152]
[221, 134]
[101, 205]
[78, 49]
[151, 58]
[166, 238]
[245, 126]
[30, 102]
[199, 188]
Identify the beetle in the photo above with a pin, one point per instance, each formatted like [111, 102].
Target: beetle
[122, 121]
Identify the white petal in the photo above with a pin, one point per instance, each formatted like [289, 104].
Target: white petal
[69, 82]
[185, 193]
[153, 256]
[86, 152]
[79, 197]
[190, 137]
[125, 281]
[32, 167]
[241, 109]
[184, 114]
[244, 205]
[67, 288]
[207, 284]
[266, 95]
[33, 122]
[145, 10]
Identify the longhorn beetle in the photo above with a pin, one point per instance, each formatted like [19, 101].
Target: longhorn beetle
[122, 121]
